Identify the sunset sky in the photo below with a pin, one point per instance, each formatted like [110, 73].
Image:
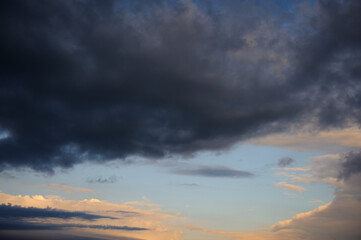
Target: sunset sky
[180, 120]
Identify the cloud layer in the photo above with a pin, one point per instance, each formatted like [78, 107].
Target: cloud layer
[36, 217]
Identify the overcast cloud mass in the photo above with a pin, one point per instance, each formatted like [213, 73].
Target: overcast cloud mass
[180, 119]
[101, 80]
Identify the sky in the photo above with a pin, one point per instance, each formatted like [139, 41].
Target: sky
[180, 120]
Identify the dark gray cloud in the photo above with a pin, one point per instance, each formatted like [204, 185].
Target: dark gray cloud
[286, 161]
[17, 218]
[212, 171]
[55, 235]
[101, 80]
[328, 60]
[14, 211]
[12, 224]
[111, 179]
[351, 164]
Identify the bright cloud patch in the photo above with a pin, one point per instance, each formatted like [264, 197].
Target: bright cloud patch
[288, 186]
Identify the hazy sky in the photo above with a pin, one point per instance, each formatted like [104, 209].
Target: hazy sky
[180, 120]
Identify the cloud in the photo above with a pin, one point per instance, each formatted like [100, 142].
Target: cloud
[9, 211]
[322, 169]
[68, 188]
[94, 218]
[285, 162]
[343, 214]
[212, 171]
[111, 179]
[190, 184]
[288, 186]
[17, 218]
[20, 225]
[108, 80]
[334, 140]
[340, 217]
[351, 164]
[55, 235]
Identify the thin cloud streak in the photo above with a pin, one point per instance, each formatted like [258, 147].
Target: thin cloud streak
[288, 186]
[68, 188]
[15, 211]
[212, 171]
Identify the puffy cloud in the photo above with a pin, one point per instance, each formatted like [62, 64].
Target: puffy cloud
[337, 219]
[334, 220]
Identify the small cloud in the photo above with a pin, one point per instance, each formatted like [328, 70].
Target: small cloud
[68, 188]
[142, 204]
[212, 171]
[190, 184]
[251, 209]
[286, 161]
[111, 179]
[316, 201]
[288, 186]
[297, 169]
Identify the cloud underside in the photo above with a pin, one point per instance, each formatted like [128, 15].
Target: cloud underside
[100, 80]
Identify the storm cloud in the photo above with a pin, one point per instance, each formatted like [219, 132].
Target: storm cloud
[104, 80]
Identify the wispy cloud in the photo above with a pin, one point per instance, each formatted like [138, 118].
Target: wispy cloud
[190, 184]
[68, 189]
[15, 211]
[288, 186]
[111, 179]
[212, 171]
[304, 140]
